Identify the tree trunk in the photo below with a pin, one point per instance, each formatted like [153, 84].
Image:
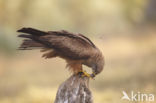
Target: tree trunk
[74, 90]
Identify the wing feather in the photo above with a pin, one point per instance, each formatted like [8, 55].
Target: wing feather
[72, 48]
[67, 45]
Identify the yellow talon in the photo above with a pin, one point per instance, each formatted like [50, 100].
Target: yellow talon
[85, 74]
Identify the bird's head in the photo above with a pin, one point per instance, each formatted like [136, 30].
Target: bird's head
[98, 65]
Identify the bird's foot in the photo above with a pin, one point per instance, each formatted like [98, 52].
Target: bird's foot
[83, 73]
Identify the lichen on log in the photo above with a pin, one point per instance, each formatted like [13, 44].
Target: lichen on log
[74, 90]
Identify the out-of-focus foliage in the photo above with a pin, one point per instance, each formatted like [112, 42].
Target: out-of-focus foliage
[124, 30]
[150, 11]
[74, 15]
[94, 18]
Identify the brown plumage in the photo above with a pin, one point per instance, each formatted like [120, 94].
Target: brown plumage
[76, 49]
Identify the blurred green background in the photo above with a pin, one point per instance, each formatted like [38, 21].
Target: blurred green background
[124, 30]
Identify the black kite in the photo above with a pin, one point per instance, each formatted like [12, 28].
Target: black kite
[76, 49]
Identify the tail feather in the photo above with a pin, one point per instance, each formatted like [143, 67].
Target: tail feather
[29, 45]
[34, 39]
[31, 41]
[25, 36]
[32, 31]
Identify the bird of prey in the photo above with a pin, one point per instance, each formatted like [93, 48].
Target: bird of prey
[76, 49]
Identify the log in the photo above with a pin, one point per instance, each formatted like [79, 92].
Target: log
[74, 90]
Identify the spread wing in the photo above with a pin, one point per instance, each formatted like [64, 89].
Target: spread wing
[64, 44]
